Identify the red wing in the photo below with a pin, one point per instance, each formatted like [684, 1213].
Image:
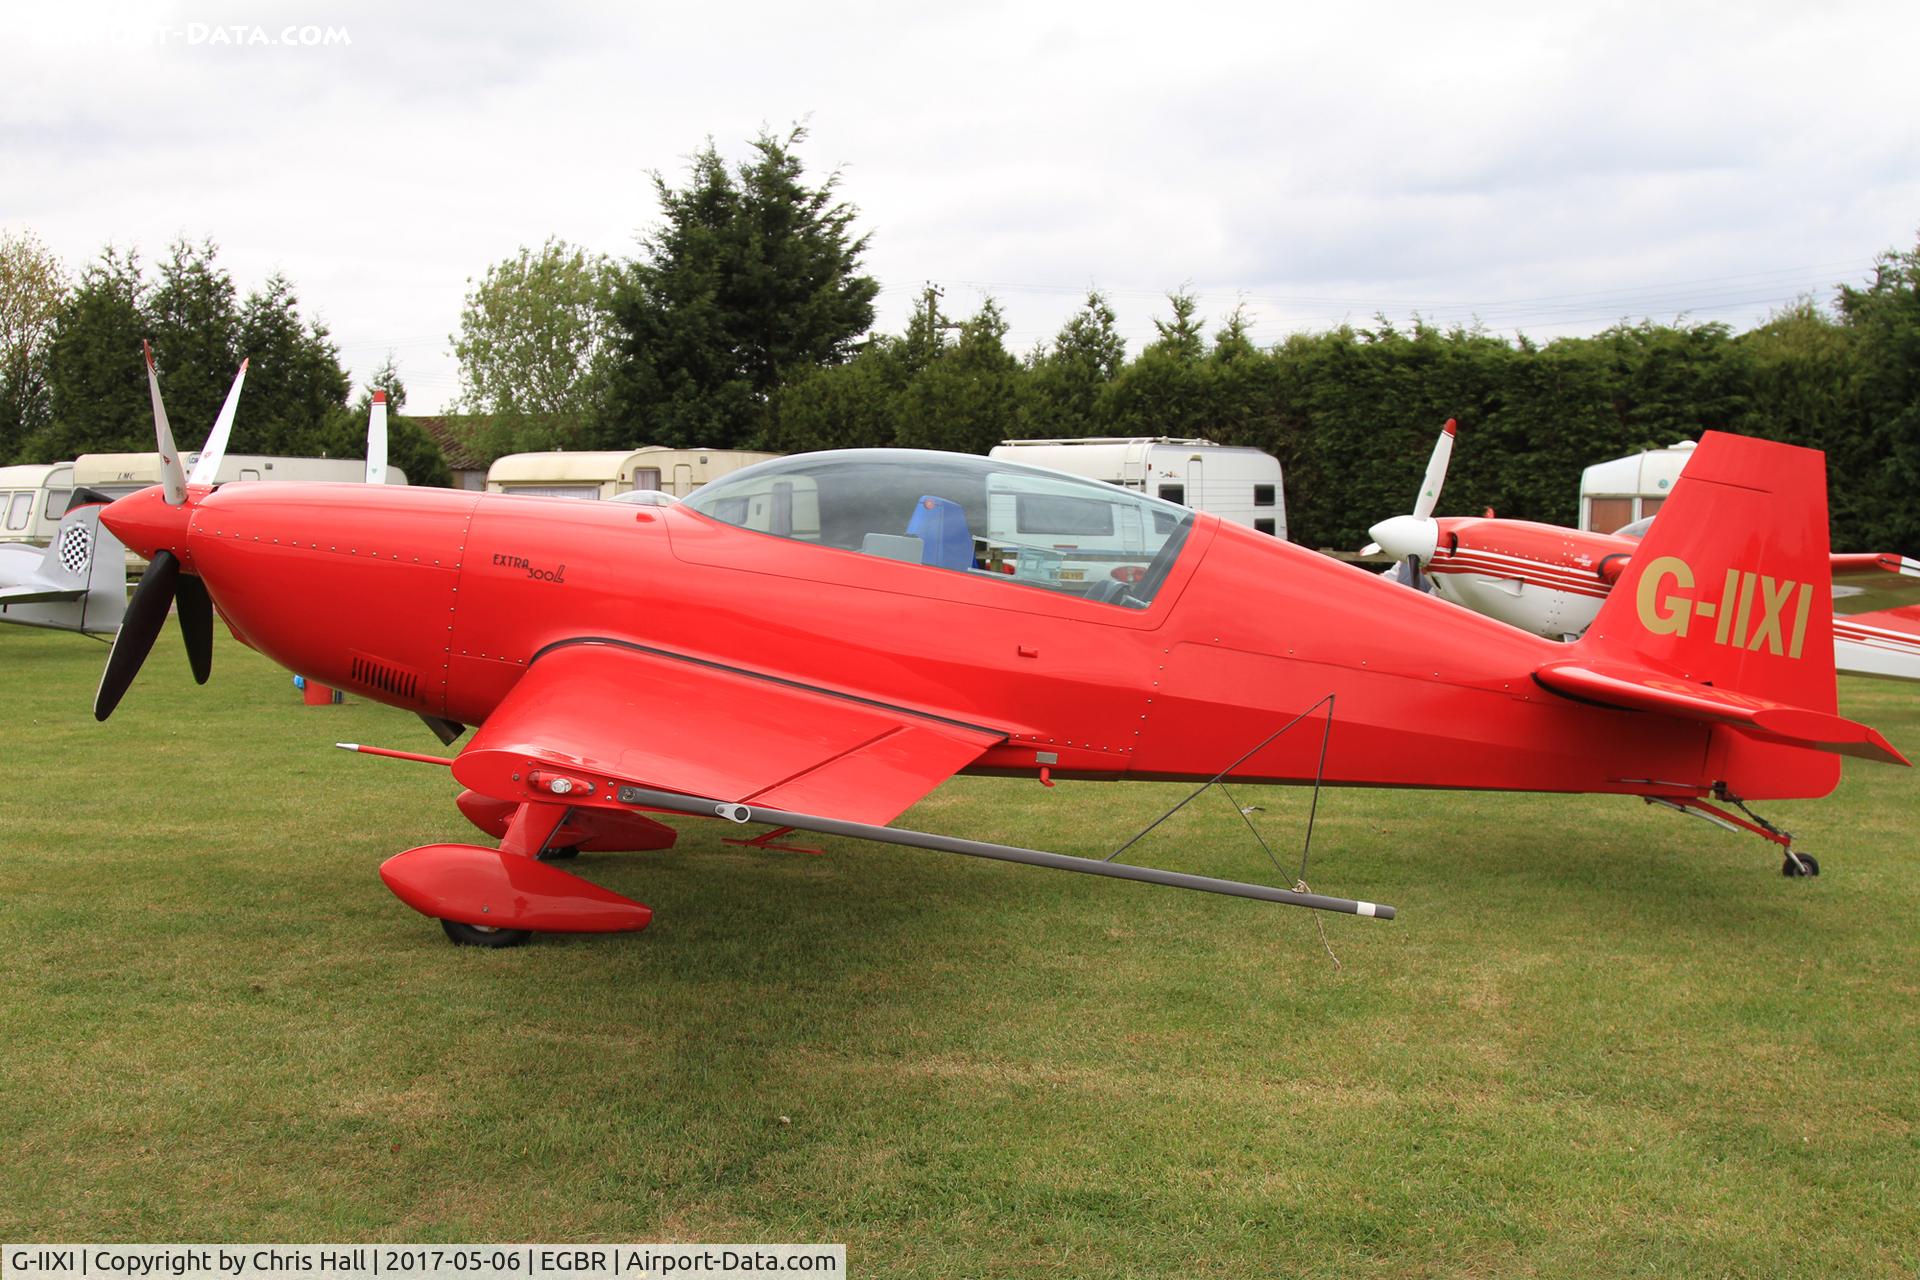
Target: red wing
[1865, 582]
[650, 720]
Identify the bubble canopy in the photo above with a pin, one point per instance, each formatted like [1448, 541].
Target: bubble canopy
[962, 513]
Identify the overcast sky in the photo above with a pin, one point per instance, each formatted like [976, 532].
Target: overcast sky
[1542, 167]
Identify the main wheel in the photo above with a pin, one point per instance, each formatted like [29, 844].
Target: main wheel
[1789, 867]
[480, 935]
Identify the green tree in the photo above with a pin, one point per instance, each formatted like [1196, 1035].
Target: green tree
[386, 378]
[1801, 369]
[1246, 391]
[1183, 337]
[194, 327]
[845, 406]
[32, 287]
[751, 282]
[408, 446]
[1358, 411]
[1882, 464]
[1552, 412]
[96, 377]
[928, 334]
[1671, 382]
[967, 398]
[533, 345]
[295, 385]
[1166, 391]
[1068, 381]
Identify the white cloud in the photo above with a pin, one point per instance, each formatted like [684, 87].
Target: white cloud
[1552, 167]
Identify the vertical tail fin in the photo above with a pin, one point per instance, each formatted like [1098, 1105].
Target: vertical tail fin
[1725, 614]
[1731, 586]
[79, 582]
[106, 600]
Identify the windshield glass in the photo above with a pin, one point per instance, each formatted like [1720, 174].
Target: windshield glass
[962, 513]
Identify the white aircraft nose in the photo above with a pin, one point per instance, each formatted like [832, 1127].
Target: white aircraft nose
[1403, 536]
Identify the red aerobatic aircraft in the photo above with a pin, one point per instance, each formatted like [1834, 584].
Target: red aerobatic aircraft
[818, 641]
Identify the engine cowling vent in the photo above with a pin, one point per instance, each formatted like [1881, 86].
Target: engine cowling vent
[385, 677]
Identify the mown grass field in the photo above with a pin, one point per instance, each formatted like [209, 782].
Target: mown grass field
[1600, 1040]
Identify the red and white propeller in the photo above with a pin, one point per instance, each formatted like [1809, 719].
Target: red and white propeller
[377, 439]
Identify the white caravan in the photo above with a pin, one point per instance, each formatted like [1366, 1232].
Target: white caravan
[118, 474]
[569, 473]
[1617, 493]
[1237, 484]
[33, 498]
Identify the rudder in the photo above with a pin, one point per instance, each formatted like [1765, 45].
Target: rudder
[1731, 587]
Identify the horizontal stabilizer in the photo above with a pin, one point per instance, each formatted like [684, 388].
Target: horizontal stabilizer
[39, 595]
[1639, 689]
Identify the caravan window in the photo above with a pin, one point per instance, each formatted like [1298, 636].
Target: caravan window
[1173, 493]
[19, 508]
[1263, 495]
[57, 500]
[977, 516]
[1607, 514]
[552, 490]
[1062, 515]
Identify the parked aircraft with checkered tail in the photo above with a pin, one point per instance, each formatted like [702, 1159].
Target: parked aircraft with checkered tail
[78, 582]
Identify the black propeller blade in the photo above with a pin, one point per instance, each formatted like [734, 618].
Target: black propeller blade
[195, 608]
[146, 614]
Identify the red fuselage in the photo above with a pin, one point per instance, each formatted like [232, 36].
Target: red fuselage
[436, 601]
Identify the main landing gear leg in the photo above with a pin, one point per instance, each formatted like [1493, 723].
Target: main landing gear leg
[527, 835]
[1793, 863]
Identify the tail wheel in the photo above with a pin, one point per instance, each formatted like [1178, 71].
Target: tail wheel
[480, 935]
[1800, 864]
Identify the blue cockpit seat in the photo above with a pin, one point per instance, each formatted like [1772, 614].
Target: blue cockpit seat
[941, 526]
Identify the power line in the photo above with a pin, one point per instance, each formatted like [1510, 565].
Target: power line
[1798, 277]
